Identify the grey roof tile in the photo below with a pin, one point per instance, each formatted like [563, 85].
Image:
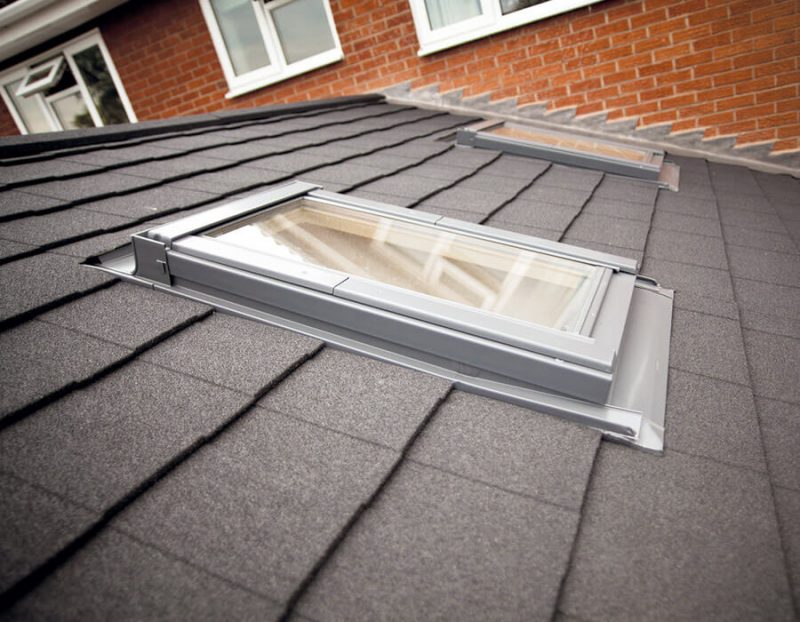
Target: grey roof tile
[679, 203]
[570, 178]
[231, 179]
[513, 448]
[778, 325]
[468, 199]
[676, 537]
[474, 217]
[764, 240]
[713, 419]
[11, 249]
[98, 244]
[38, 359]
[789, 211]
[690, 279]
[506, 186]
[14, 202]
[117, 577]
[706, 304]
[674, 221]
[114, 155]
[614, 231]
[45, 229]
[620, 251]
[537, 232]
[788, 505]
[126, 314]
[171, 167]
[347, 173]
[436, 546]
[697, 340]
[95, 445]
[765, 266]
[31, 172]
[283, 489]
[363, 397]
[148, 203]
[780, 426]
[383, 198]
[237, 353]
[757, 221]
[774, 362]
[506, 166]
[619, 209]
[626, 189]
[767, 298]
[535, 214]
[554, 195]
[385, 161]
[188, 142]
[688, 248]
[36, 525]
[292, 162]
[435, 171]
[88, 186]
[239, 152]
[31, 283]
[405, 185]
[733, 200]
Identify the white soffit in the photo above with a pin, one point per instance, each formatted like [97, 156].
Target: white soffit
[27, 23]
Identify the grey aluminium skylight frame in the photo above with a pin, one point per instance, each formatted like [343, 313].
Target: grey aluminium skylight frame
[577, 376]
[652, 167]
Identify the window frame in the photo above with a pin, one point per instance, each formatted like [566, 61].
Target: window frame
[28, 87]
[278, 70]
[491, 21]
[577, 376]
[67, 51]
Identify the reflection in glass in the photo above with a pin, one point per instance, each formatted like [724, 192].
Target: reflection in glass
[513, 282]
[303, 29]
[29, 109]
[240, 31]
[509, 6]
[71, 110]
[98, 80]
[576, 143]
[443, 13]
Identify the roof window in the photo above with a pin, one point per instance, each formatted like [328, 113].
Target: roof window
[565, 330]
[572, 149]
[41, 77]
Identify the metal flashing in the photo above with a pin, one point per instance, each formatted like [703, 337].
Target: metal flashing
[594, 372]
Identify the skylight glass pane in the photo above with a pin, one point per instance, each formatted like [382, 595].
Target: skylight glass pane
[303, 29]
[242, 36]
[576, 143]
[535, 287]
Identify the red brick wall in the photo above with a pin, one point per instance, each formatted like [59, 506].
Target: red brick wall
[7, 125]
[728, 67]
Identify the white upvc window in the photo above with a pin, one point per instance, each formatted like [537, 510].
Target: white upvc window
[262, 42]
[443, 24]
[73, 86]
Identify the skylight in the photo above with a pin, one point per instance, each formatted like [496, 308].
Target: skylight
[572, 149]
[561, 329]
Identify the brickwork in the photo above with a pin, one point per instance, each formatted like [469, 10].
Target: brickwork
[726, 67]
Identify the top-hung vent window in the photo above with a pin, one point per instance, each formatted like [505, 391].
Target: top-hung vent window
[563, 329]
[572, 149]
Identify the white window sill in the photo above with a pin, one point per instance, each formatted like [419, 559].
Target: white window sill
[328, 58]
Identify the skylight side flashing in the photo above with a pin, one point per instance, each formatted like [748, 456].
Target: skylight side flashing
[574, 373]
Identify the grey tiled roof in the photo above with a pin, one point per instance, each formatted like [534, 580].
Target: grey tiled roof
[161, 459]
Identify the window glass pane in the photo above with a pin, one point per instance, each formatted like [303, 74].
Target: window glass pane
[29, 109]
[71, 111]
[509, 6]
[443, 13]
[242, 36]
[303, 29]
[576, 143]
[98, 80]
[509, 281]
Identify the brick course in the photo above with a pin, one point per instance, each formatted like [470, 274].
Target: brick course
[727, 67]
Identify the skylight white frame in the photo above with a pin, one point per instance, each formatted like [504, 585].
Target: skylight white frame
[490, 21]
[68, 51]
[580, 377]
[278, 70]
